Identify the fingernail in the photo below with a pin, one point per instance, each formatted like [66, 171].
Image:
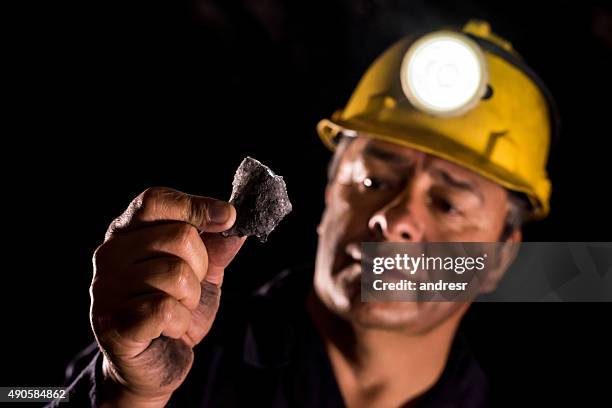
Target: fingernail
[219, 212]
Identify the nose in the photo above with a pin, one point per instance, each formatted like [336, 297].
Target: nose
[397, 221]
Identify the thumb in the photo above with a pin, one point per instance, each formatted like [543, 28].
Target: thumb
[221, 251]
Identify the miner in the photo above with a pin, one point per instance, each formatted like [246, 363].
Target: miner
[445, 138]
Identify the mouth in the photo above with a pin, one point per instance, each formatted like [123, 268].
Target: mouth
[352, 271]
[350, 280]
[353, 250]
[355, 256]
[349, 270]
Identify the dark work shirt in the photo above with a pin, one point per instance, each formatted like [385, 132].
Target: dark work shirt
[266, 352]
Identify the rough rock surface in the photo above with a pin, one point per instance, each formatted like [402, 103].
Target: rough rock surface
[260, 198]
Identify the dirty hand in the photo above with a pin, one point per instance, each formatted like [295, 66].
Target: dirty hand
[155, 292]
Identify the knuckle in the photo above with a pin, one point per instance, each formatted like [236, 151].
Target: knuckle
[146, 203]
[185, 234]
[99, 257]
[165, 309]
[102, 326]
[94, 287]
[196, 211]
[150, 195]
[118, 224]
[153, 199]
[179, 274]
[142, 206]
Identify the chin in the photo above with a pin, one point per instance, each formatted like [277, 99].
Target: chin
[343, 297]
[413, 318]
[385, 315]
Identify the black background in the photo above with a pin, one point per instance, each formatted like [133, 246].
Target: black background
[105, 99]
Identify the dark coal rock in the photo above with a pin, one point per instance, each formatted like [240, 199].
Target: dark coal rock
[260, 198]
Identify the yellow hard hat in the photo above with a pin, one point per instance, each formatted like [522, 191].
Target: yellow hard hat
[499, 125]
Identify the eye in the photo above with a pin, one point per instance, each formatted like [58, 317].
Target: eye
[443, 205]
[372, 183]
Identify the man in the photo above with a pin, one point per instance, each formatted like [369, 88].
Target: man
[445, 139]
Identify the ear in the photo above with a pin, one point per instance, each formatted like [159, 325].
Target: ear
[505, 256]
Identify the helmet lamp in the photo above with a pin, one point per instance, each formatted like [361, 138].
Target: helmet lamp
[444, 73]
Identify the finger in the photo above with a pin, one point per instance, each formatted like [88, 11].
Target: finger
[147, 317]
[221, 251]
[163, 204]
[175, 239]
[170, 275]
[204, 315]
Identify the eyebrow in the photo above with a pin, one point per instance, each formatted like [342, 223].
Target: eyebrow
[459, 184]
[386, 155]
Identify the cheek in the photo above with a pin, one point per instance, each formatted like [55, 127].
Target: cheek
[492, 220]
[467, 232]
[492, 217]
[363, 205]
[334, 219]
[484, 225]
[346, 216]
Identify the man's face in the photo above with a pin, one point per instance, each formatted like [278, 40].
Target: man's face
[386, 192]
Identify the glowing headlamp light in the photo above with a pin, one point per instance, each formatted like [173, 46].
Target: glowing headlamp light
[444, 73]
